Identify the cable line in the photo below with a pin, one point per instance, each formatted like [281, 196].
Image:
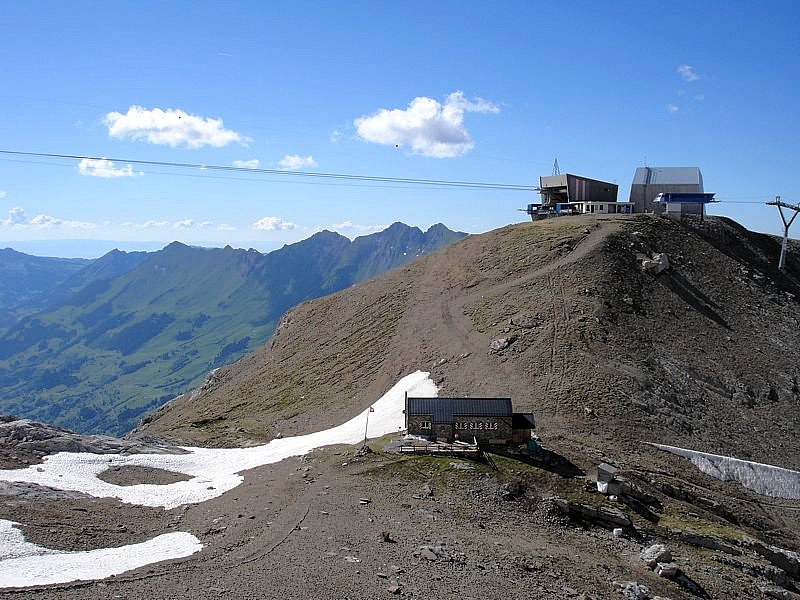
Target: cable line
[334, 176]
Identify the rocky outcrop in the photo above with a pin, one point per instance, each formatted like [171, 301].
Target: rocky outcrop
[604, 516]
[23, 441]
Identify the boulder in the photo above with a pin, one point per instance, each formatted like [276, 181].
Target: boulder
[512, 490]
[783, 559]
[632, 590]
[501, 344]
[667, 570]
[657, 553]
[525, 321]
[657, 264]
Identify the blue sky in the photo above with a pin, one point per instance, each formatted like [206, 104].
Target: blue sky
[455, 91]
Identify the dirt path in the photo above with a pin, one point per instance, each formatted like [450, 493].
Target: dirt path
[460, 326]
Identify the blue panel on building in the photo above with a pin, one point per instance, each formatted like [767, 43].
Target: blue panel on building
[696, 197]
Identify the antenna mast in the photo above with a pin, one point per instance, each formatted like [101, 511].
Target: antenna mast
[556, 170]
[786, 224]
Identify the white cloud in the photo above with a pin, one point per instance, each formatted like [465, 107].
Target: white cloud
[45, 221]
[153, 224]
[336, 135]
[16, 216]
[102, 167]
[18, 219]
[185, 224]
[48, 222]
[273, 224]
[700, 97]
[247, 164]
[294, 162]
[171, 127]
[427, 126]
[226, 227]
[205, 224]
[687, 73]
[672, 108]
[346, 227]
[2, 194]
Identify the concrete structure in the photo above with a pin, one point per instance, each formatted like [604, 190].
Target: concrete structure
[569, 194]
[648, 182]
[486, 420]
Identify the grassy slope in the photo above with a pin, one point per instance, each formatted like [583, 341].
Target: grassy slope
[122, 346]
[142, 334]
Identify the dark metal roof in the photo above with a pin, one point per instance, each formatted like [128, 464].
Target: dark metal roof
[443, 409]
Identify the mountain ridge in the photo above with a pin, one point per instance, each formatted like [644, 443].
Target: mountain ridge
[537, 287]
[146, 327]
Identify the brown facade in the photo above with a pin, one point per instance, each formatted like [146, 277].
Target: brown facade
[567, 188]
[463, 428]
[487, 421]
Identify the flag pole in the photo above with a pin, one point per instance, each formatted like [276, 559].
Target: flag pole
[366, 427]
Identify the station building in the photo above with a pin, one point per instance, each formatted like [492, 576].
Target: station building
[489, 421]
[649, 182]
[568, 194]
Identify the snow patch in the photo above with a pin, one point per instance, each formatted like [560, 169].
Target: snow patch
[763, 479]
[213, 472]
[24, 564]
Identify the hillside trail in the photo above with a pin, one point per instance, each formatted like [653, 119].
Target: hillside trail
[459, 326]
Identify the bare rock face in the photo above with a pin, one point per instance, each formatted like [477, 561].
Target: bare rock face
[605, 516]
[784, 559]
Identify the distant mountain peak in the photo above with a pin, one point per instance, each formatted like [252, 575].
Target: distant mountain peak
[140, 328]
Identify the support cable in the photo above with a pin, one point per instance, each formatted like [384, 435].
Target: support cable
[335, 176]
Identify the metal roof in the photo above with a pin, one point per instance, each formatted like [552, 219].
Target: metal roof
[443, 409]
[667, 176]
[547, 181]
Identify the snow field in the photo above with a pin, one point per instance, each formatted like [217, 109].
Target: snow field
[766, 480]
[24, 564]
[213, 472]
